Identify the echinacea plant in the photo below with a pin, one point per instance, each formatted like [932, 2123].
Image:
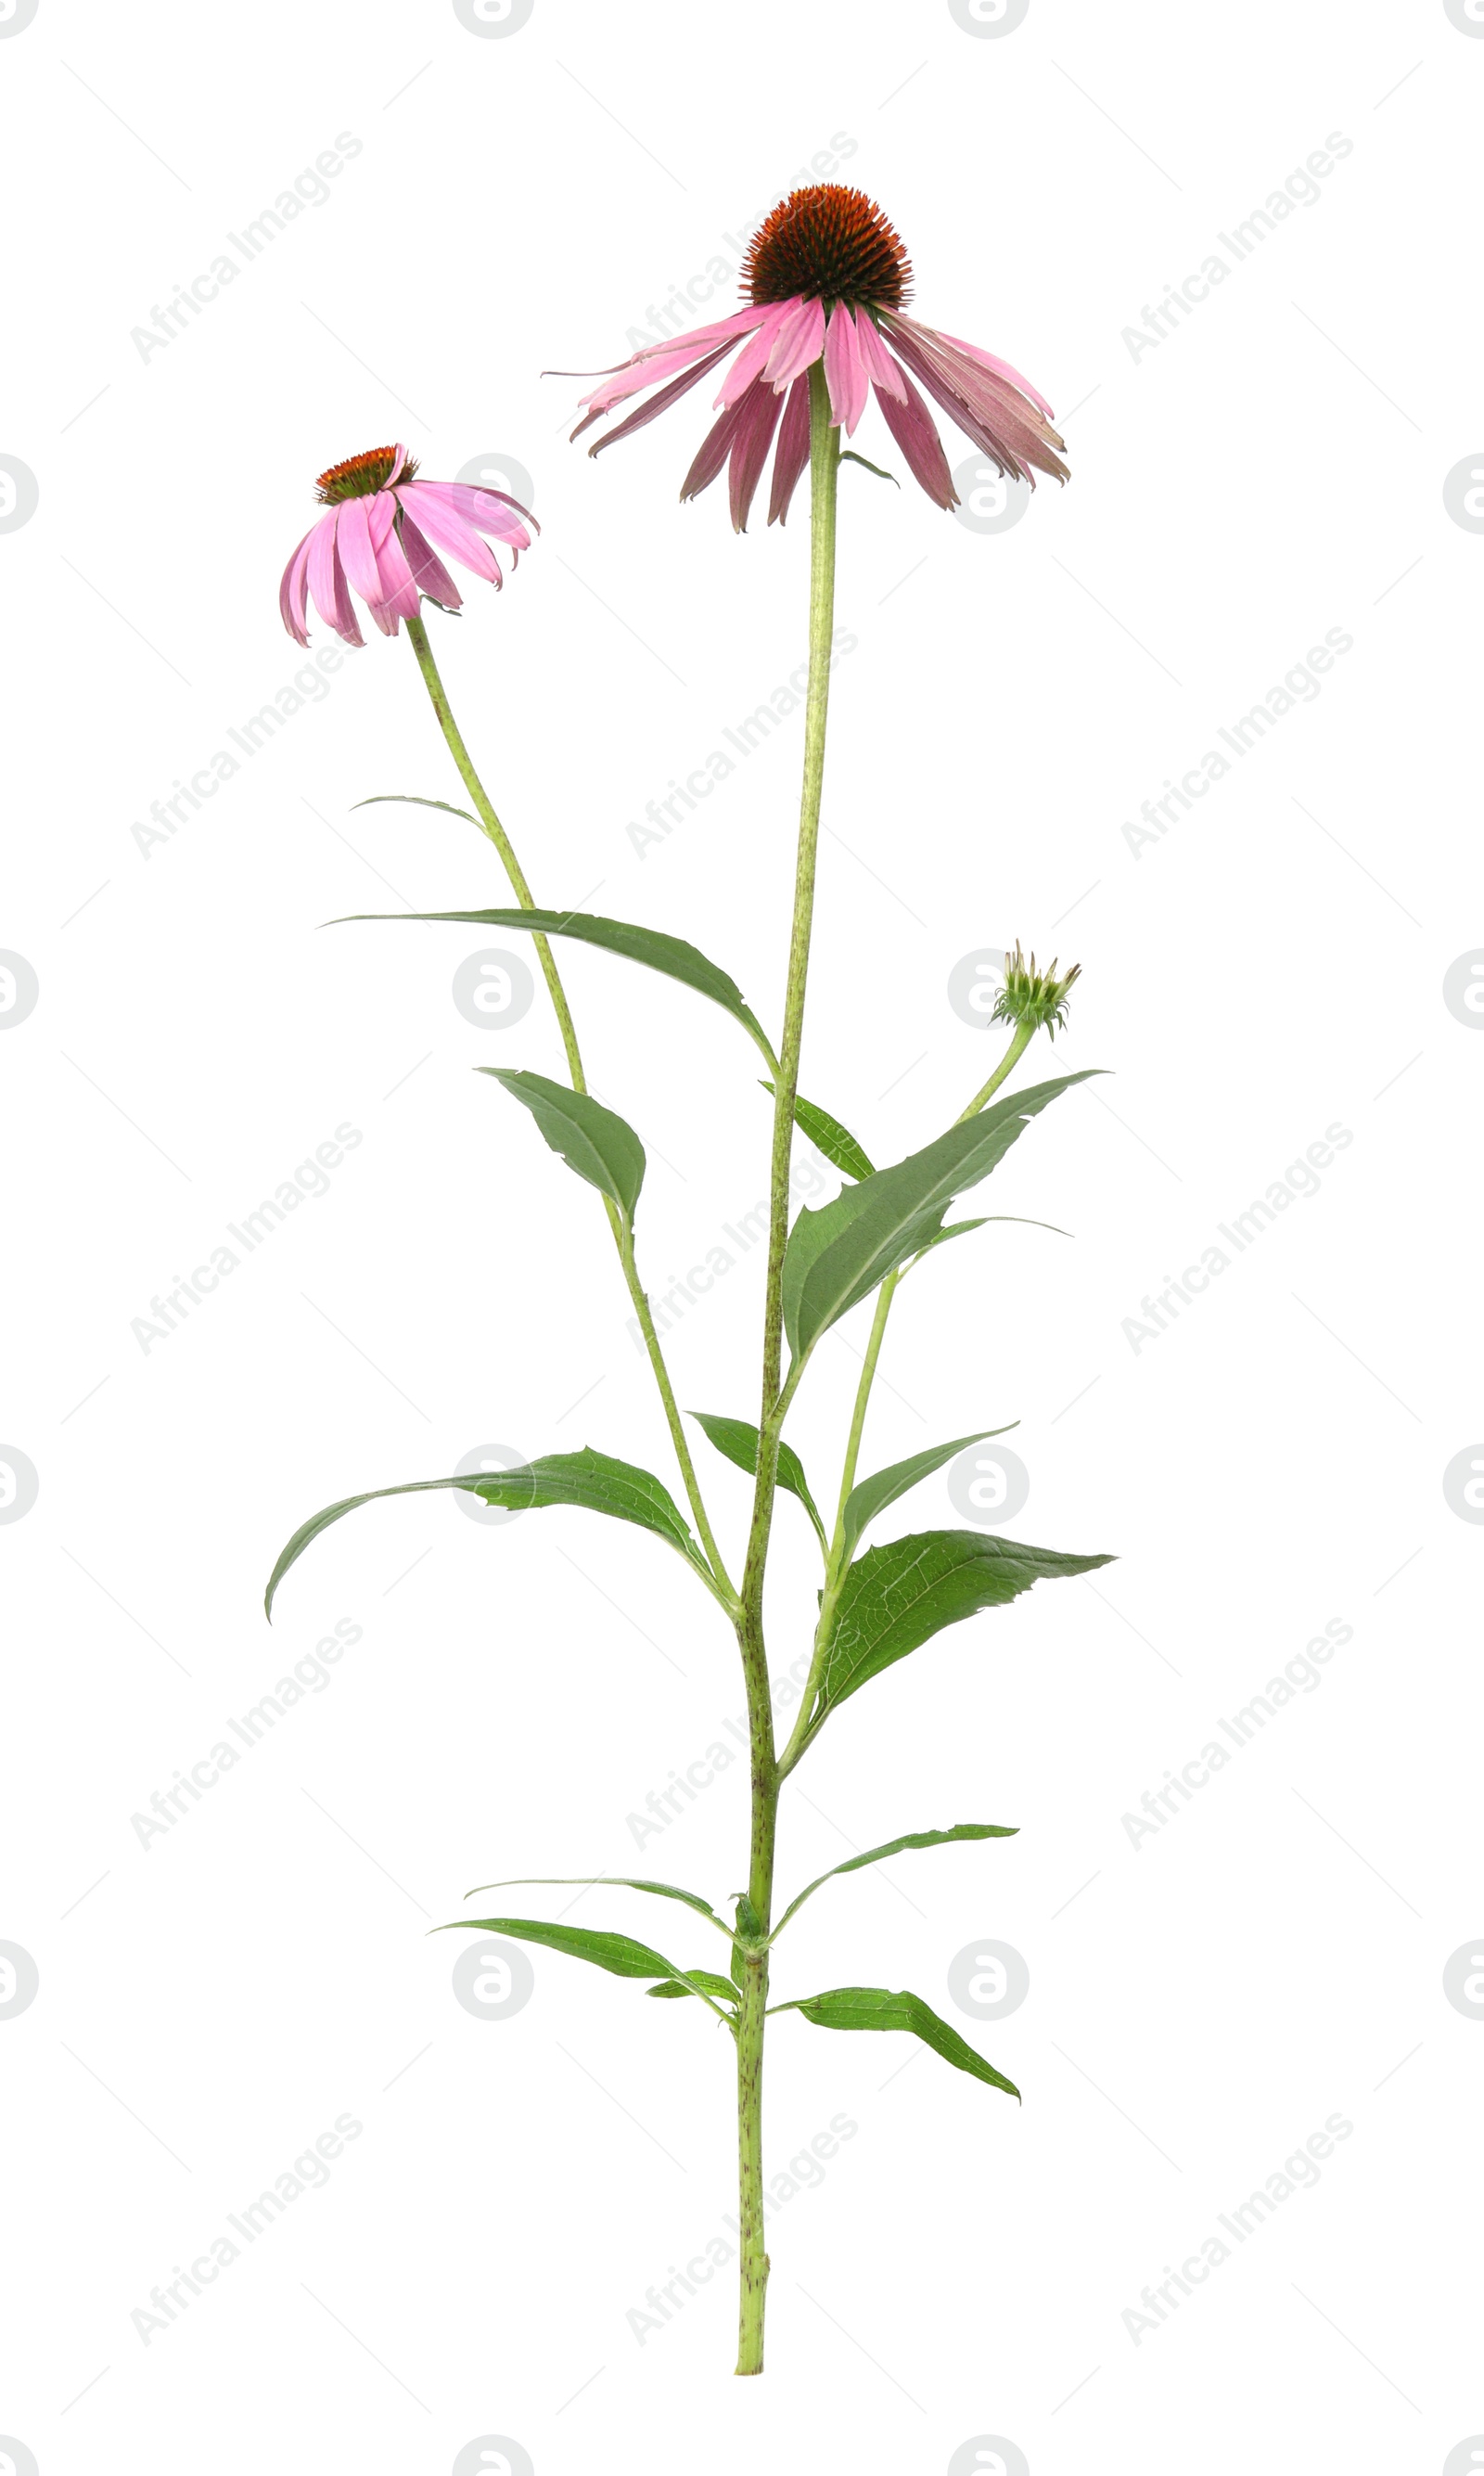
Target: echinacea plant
[824, 327]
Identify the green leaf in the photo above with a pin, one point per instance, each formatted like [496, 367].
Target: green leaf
[826, 1134]
[848, 456]
[897, 1597]
[620, 1882]
[737, 1438]
[720, 1988]
[590, 1480]
[601, 1147]
[836, 1256]
[619, 1954]
[893, 1848]
[961, 1229]
[874, 1494]
[410, 799]
[872, 2007]
[671, 955]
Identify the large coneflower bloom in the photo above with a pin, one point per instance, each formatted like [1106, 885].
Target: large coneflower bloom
[380, 537]
[825, 278]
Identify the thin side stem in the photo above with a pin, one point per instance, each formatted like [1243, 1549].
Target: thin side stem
[824, 483]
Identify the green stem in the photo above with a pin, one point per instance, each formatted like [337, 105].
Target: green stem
[836, 1569]
[824, 483]
[623, 1237]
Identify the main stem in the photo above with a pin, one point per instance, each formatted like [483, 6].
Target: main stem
[823, 480]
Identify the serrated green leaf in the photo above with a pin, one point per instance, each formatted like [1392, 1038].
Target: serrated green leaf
[893, 1848]
[590, 1480]
[897, 1597]
[653, 947]
[619, 1882]
[720, 1989]
[874, 1494]
[872, 2007]
[839, 1255]
[596, 1143]
[826, 1134]
[737, 1438]
[619, 1954]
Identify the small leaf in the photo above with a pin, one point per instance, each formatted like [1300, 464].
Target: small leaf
[826, 1134]
[874, 1494]
[590, 1480]
[599, 1146]
[653, 947]
[961, 1229]
[897, 1597]
[872, 2007]
[620, 1882]
[848, 456]
[737, 1438]
[893, 1848]
[836, 1256]
[410, 799]
[619, 1954]
[720, 1988]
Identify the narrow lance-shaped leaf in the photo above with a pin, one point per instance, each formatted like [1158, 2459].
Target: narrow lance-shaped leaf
[720, 1989]
[961, 1229]
[872, 2007]
[826, 1134]
[599, 1146]
[619, 1954]
[874, 1494]
[897, 1597]
[836, 1256]
[653, 947]
[893, 1848]
[619, 1882]
[593, 1481]
[737, 1438]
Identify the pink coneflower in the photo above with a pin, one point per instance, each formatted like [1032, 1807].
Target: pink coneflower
[826, 278]
[380, 537]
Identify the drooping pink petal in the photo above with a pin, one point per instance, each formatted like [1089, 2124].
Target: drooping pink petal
[428, 571]
[992, 361]
[397, 597]
[656, 361]
[754, 356]
[845, 372]
[381, 517]
[399, 458]
[291, 591]
[327, 582]
[915, 432]
[737, 323]
[798, 343]
[792, 449]
[345, 609]
[712, 454]
[881, 369]
[1005, 426]
[657, 404]
[759, 410]
[473, 506]
[449, 533]
[358, 557]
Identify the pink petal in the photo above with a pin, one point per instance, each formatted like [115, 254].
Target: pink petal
[657, 404]
[792, 449]
[358, 556]
[397, 598]
[1001, 369]
[658, 360]
[880, 367]
[381, 517]
[428, 571]
[1006, 428]
[759, 410]
[471, 505]
[753, 356]
[915, 432]
[291, 591]
[737, 323]
[399, 458]
[712, 454]
[798, 343]
[845, 373]
[449, 533]
[327, 580]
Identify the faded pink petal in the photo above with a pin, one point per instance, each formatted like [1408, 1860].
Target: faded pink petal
[1005, 426]
[912, 426]
[799, 343]
[659, 404]
[992, 361]
[759, 410]
[792, 449]
[657, 360]
[713, 452]
[845, 372]
[755, 352]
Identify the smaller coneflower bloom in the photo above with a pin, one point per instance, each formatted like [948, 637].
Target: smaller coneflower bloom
[380, 537]
[827, 279]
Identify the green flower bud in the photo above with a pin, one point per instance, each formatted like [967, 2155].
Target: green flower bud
[1036, 999]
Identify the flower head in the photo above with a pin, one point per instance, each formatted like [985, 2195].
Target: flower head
[827, 279]
[380, 534]
[1037, 998]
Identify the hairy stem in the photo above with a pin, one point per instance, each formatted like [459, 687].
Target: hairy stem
[824, 481]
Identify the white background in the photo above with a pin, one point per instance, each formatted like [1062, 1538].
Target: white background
[1200, 2003]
